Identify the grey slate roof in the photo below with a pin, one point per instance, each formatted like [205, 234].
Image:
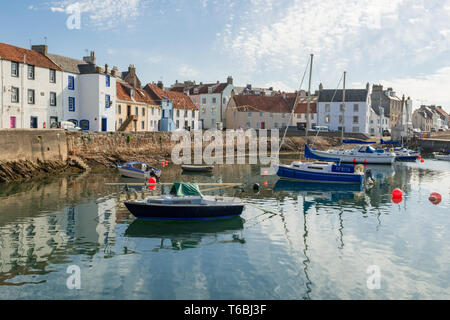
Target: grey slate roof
[351, 95]
[66, 63]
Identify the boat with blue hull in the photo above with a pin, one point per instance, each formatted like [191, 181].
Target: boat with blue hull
[405, 155]
[322, 172]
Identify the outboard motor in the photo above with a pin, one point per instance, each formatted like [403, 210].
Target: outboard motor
[368, 176]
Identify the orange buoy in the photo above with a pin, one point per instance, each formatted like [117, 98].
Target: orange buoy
[435, 198]
[265, 183]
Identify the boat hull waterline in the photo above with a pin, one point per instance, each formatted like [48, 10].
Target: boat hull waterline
[352, 156]
[303, 173]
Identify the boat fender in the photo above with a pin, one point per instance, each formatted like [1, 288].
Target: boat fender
[359, 168]
[256, 187]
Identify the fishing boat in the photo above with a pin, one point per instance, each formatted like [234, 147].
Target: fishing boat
[360, 154]
[189, 168]
[138, 170]
[185, 202]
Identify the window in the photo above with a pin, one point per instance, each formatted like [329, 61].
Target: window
[248, 125]
[14, 94]
[107, 101]
[355, 119]
[186, 124]
[224, 100]
[71, 104]
[214, 100]
[342, 107]
[14, 69]
[204, 100]
[71, 83]
[30, 96]
[153, 111]
[193, 113]
[31, 72]
[355, 108]
[193, 125]
[142, 125]
[178, 124]
[178, 113]
[260, 114]
[52, 76]
[258, 125]
[119, 109]
[143, 112]
[283, 116]
[108, 81]
[136, 109]
[84, 124]
[276, 125]
[53, 99]
[355, 129]
[249, 114]
[271, 115]
[186, 113]
[341, 119]
[327, 108]
[327, 119]
[120, 122]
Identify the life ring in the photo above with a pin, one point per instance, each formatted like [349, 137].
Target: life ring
[391, 150]
[359, 168]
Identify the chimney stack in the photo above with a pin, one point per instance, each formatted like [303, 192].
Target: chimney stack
[160, 85]
[106, 69]
[91, 58]
[42, 49]
[230, 80]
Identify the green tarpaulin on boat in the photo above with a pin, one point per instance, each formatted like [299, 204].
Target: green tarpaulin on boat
[181, 189]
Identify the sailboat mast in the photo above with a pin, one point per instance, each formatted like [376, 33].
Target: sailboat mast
[309, 95]
[343, 110]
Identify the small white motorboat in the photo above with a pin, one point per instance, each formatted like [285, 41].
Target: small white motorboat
[138, 170]
[445, 157]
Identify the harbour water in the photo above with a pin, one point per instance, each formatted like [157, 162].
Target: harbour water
[293, 241]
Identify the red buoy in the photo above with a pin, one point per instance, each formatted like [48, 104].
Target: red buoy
[397, 193]
[167, 163]
[163, 164]
[421, 160]
[435, 198]
[397, 200]
[152, 183]
[354, 160]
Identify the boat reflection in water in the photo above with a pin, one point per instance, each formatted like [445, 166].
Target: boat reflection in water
[185, 235]
[321, 192]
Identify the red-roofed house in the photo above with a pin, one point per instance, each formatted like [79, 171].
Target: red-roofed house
[30, 86]
[178, 107]
[268, 112]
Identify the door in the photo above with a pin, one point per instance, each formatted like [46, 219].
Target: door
[263, 125]
[128, 111]
[33, 122]
[104, 124]
[12, 121]
[53, 122]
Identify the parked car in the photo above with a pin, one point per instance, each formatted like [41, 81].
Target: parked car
[69, 126]
[433, 129]
[321, 128]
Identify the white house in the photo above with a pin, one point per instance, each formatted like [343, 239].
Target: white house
[353, 114]
[88, 91]
[378, 122]
[211, 99]
[31, 89]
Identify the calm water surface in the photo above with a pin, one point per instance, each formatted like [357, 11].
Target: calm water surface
[293, 241]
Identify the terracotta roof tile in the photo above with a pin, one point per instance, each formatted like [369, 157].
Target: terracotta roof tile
[16, 54]
[123, 91]
[179, 100]
[275, 104]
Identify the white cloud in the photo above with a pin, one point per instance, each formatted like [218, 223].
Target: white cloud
[425, 89]
[279, 85]
[102, 14]
[187, 72]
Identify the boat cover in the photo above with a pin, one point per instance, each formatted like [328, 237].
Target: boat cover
[395, 143]
[355, 141]
[181, 189]
[310, 155]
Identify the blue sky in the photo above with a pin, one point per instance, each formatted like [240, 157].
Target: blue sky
[400, 43]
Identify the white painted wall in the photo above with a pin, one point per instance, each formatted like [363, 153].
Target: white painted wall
[210, 111]
[191, 116]
[23, 111]
[363, 115]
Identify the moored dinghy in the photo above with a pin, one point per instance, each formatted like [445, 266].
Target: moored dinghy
[138, 170]
[185, 202]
